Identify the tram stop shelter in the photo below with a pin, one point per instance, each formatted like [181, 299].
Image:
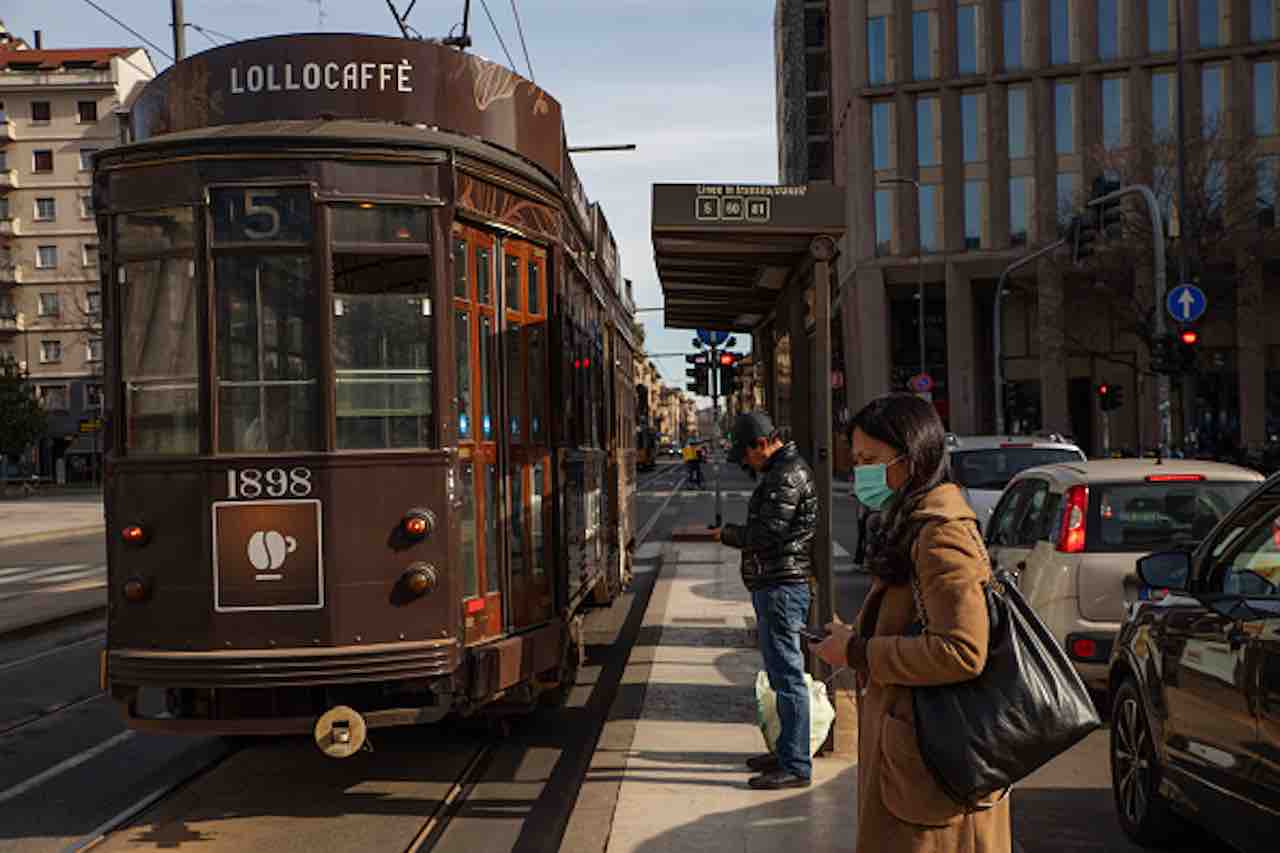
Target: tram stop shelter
[758, 259]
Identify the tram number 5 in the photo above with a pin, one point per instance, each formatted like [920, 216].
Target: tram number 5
[253, 483]
[253, 208]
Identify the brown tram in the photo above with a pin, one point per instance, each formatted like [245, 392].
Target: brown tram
[371, 405]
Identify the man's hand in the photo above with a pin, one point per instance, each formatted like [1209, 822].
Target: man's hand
[715, 533]
[832, 649]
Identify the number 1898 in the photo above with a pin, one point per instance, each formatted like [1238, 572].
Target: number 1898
[251, 483]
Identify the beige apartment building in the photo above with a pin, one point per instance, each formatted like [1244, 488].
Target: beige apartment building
[965, 133]
[57, 108]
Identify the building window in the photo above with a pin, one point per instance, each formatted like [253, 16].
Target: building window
[1211, 78]
[51, 352]
[86, 159]
[1210, 21]
[1019, 210]
[884, 222]
[52, 397]
[923, 37]
[42, 161]
[1060, 32]
[877, 51]
[972, 120]
[1268, 182]
[41, 113]
[1264, 98]
[1068, 187]
[46, 257]
[1017, 123]
[1011, 11]
[4, 162]
[49, 305]
[86, 206]
[1113, 112]
[1108, 29]
[930, 210]
[1064, 117]
[968, 41]
[93, 303]
[4, 207]
[89, 255]
[1164, 100]
[93, 350]
[927, 131]
[1160, 32]
[46, 209]
[88, 111]
[975, 193]
[1262, 20]
[881, 135]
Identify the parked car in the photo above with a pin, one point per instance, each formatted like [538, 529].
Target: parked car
[984, 464]
[1195, 686]
[1073, 533]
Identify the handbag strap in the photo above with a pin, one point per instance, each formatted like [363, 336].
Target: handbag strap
[918, 594]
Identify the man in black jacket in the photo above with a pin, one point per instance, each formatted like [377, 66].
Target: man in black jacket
[776, 567]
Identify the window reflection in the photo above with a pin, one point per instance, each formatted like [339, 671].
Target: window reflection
[884, 222]
[926, 140]
[1012, 12]
[880, 149]
[486, 378]
[877, 55]
[1060, 31]
[1064, 117]
[922, 45]
[1017, 123]
[1163, 104]
[1108, 29]
[467, 494]
[462, 364]
[1264, 98]
[535, 522]
[517, 520]
[969, 126]
[929, 208]
[973, 213]
[1159, 37]
[1112, 112]
[1019, 210]
[460, 286]
[967, 39]
[511, 279]
[492, 520]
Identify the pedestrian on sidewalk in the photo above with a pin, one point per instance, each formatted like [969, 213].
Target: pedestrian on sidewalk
[782, 517]
[926, 528]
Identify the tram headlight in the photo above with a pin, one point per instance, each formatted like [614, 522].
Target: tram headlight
[136, 590]
[417, 523]
[419, 578]
[134, 534]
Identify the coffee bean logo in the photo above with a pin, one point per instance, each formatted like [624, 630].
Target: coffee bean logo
[268, 549]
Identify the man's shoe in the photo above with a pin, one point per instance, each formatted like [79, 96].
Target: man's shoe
[764, 763]
[777, 780]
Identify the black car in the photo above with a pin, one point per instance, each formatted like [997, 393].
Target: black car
[1194, 685]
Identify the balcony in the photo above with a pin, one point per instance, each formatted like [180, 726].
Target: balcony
[10, 273]
[8, 179]
[9, 324]
[10, 227]
[8, 133]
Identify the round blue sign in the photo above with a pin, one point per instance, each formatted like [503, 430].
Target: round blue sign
[1186, 303]
[712, 338]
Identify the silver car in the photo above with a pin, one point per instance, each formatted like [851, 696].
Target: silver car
[1073, 534]
[984, 464]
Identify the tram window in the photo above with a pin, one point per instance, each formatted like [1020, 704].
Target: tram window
[535, 521]
[460, 288]
[267, 362]
[535, 301]
[511, 279]
[486, 378]
[491, 522]
[470, 584]
[517, 520]
[462, 364]
[484, 276]
[261, 214]
[155, 231]
[515, 382]
[537, 383]
[159, 366]
[380, 223]
[383, 333]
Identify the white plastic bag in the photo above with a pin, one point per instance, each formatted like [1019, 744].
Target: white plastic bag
[821, 712]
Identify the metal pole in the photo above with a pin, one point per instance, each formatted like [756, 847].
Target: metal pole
[179, 31]
[1157, 227]
[715, 430]
[997, 321]
[1184, 261]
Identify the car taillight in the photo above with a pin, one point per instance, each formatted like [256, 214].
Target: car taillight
[1175, 478]
[1075, 510]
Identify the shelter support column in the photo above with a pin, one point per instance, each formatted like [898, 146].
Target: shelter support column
[962, 355]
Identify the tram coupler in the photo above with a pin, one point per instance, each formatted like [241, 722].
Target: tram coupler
[341, 732]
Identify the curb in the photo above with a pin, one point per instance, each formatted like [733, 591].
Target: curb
[52, 535]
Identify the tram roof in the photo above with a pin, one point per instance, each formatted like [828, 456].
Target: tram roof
[724, 252]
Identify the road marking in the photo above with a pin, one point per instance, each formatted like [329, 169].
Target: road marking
[63, 766]
[24, 661]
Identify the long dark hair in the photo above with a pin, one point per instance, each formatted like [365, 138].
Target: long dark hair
[912, 427]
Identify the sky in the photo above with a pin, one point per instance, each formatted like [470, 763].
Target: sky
[690, 82]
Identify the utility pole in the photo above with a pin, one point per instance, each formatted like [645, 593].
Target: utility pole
[179, 31]
[714, 380]
[1184, 261]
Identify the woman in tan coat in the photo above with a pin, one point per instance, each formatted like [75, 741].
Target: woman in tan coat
[926, 527]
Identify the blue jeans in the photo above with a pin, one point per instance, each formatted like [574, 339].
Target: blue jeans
[781, 611]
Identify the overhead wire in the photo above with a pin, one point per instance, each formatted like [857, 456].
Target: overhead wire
[152, 44]
[212, 31]
[202, 31]
[489, 15]
[523, 46]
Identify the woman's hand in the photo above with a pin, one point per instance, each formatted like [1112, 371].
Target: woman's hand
[832, 649]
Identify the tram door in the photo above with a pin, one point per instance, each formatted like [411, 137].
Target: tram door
[525, 378]
[475, 331]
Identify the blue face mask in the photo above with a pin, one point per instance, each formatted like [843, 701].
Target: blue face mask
[871, 486]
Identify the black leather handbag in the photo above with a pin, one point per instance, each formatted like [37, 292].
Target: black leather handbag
[979, 737]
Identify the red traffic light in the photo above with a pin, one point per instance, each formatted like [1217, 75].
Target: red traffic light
[1102, 390]
[1189, 337]
[726, 358]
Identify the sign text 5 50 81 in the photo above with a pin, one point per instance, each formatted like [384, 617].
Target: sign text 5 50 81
[253, 483]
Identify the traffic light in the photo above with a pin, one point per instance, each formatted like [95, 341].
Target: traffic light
[699, 374]
[1161, 355]
[1188, 342]
[1110, 397]
[728, 371]
[1101, 222]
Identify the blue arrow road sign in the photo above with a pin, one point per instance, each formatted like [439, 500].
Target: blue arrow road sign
[712, 338]
[1186, 303]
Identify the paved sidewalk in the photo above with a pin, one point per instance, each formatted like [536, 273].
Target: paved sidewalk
[56, 516]
[683, 781]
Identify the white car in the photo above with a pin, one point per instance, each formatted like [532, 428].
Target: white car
[984, 464]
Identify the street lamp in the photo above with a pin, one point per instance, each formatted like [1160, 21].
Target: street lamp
[920, 261]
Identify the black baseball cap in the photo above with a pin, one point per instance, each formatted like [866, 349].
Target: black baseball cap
[748, 428]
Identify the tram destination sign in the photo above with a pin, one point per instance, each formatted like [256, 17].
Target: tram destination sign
[331, 76]
[749, 206]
